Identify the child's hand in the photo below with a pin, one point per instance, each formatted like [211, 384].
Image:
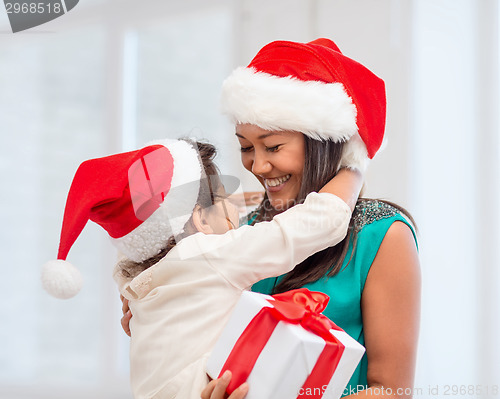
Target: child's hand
[216, 389]
[127, 315]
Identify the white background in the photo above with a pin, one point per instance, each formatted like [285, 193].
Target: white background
[112, 75]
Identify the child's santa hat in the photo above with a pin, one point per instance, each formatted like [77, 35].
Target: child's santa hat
[314, 89]
[141, 198]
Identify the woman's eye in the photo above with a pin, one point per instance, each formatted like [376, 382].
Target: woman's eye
[273, 149]
[246, 149]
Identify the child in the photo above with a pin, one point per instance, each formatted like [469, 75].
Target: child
[186, 265]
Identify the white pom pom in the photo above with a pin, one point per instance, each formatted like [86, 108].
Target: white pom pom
[61, 279]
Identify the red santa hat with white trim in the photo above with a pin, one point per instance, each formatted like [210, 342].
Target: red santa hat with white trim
[141, 198]
[314, 89]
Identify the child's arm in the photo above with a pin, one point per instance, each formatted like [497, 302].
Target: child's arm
[252, 253]
[346, 185]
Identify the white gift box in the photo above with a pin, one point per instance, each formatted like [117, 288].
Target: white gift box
[288, 357]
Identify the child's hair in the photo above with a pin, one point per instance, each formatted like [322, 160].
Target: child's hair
[206, 197]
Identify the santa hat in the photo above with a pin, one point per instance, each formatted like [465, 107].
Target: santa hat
[314, 89]
[141, 198]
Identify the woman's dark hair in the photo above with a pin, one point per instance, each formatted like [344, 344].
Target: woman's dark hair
[206, 197]
[322, 161]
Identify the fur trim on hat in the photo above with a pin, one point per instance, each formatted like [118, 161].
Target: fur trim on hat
[354, 154]
[322, 111]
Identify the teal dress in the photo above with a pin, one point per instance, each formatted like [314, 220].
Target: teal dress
[372, 219]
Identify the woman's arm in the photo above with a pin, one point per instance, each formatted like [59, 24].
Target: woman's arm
[391, 313]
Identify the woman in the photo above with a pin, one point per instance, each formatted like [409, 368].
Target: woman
[299, 111]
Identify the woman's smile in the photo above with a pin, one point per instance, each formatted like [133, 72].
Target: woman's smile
[277, 183]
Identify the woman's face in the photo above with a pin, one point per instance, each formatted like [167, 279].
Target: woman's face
[276, 158]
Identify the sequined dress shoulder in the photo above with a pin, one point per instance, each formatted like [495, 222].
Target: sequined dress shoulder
[368, 211]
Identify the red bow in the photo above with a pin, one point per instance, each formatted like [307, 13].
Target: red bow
[299, 306]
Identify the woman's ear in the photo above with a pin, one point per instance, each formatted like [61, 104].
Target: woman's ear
[200, 220]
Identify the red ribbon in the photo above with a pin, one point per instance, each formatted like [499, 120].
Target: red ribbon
[299, 306]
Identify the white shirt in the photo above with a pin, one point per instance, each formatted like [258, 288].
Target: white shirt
[181, 304]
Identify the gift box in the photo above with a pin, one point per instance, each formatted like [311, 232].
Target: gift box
[285, 348]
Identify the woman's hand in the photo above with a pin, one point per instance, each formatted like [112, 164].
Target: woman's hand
[127, 315]
[216, 389]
